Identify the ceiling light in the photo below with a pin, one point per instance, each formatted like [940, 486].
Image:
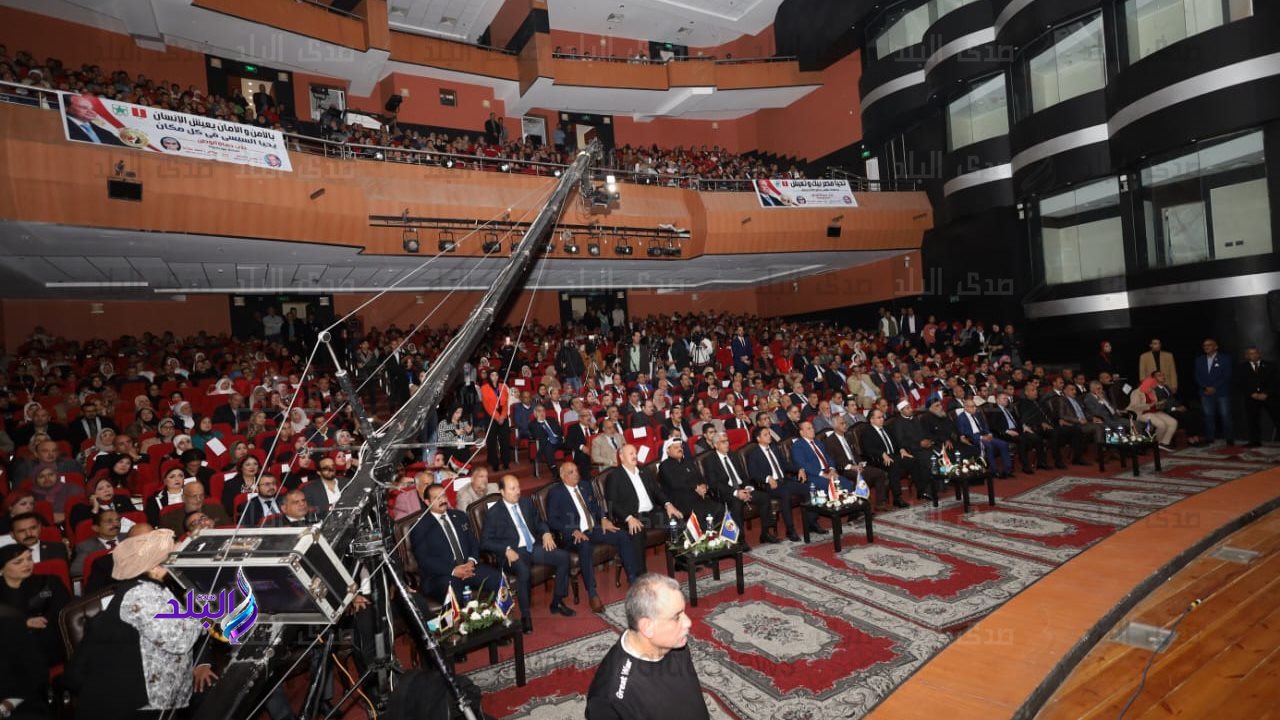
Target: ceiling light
[593, 249]
[409, 239]
[447, 243]
[623, 248]
[571, 248]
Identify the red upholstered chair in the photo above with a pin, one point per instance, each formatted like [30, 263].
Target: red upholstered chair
[50, 533]
[45, 509]
[83, 531]
[89, 560]
[56, 568]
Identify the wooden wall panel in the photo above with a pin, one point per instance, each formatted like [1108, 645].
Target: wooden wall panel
[300, 18]
[73, 320]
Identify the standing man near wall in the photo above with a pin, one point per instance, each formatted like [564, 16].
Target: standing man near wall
[1213, 376]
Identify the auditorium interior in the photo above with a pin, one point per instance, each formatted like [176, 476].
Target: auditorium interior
[931, 346]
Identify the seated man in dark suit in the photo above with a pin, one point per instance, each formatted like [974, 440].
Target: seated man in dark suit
[915, 449]
[578, 438]
[1006, 425]
[728, 479]
[261, 505]
[842, 447]
[446, 549]
[24, 529]
[880, 452]
[293, 512]
[774, 474]
[324, 490]
[574, 513]
[636, 500]
[547, 433]
[514, 532]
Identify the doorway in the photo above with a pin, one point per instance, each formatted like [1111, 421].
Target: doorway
[249, 86]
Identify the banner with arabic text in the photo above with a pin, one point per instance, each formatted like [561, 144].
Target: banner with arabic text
[804, 193]
[102, 121]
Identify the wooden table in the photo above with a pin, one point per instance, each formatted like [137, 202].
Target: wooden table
[838, 514]
[689, 563]
[962, 488]
[491, 638]
[1129, 451]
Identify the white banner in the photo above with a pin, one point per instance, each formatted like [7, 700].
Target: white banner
[99, 121]
[804, 193]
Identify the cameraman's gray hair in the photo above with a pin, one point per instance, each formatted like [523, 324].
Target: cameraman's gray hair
[642, 598]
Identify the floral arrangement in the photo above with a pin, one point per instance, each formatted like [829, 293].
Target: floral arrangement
[1132, 437]
[472, 618]
[711, 541]
[964, 469]
[842, 497]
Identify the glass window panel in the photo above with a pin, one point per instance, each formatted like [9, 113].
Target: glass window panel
[1082, 235]
[1073, 66]
[903, 32]
[1152, 25]
[980, 114]
[1241, 219]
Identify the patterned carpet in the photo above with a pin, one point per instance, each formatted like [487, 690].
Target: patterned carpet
[820, 634]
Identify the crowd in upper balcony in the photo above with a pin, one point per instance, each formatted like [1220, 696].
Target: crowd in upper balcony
[489, 150]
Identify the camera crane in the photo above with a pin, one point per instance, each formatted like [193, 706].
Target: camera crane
[308, 576]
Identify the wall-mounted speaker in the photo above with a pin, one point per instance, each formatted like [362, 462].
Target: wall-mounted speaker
[393, 103]
[124, 190]
[833, 231]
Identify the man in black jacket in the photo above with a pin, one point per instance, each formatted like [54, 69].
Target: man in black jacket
[729, 480]
[635, 357]
[679, 477]
[570, 366]
[880, 452]
[1006, 425]
[915, 449]
[773, 473]
[1258, 383]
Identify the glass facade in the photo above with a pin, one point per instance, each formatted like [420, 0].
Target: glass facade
[1152, 25]
[1082, 234]
[903, 28]
[1210, 204]
[1073, 64]
[978, 115]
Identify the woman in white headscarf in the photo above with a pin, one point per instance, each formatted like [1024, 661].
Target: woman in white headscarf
[298, 420]
[183, 417]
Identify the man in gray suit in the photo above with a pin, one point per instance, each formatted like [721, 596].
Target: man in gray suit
[106, 528]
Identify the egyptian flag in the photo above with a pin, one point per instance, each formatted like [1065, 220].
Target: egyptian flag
[693, 529]
[833, 487]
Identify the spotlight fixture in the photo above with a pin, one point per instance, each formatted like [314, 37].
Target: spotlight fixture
[447, 243]
[655, 250]
[571, 248]
[491, 244]
[672, 250]
[621, 249]
[409, 239]
[448, 163]
[593, 249]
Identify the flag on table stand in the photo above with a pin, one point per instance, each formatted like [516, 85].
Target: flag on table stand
[833, 487]
[503, 599]
[944, 460]
[693, 529]
[450, 611]
[861, 489]
[728, 527]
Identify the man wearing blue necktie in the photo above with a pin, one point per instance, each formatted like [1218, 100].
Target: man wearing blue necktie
[81, 122]
[547, 433]
[515, 532]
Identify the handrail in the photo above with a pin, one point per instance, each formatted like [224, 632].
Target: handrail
[47, 99]
[756, 60]
[420, 32]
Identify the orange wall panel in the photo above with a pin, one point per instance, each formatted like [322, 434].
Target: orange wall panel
[405, 311]
[73, 320]
[77, 45]
[819, 123]
[670, 133]
[303, 19]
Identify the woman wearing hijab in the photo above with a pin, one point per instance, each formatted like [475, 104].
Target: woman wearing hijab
[1143, 402]
[39, 598]
[17, 502]
[1104, 363]
[298, 420]
[152, 673]
[204, 432]
[103, 443]
[144, 421]
[182, 416]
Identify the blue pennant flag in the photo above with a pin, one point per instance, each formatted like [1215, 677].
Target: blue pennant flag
[729, 528]
[503, 600]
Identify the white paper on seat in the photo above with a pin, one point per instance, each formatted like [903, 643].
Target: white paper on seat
[640, 433]
[216, 446]
[642, 454]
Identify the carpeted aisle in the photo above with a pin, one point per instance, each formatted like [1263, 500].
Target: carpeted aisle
[820, 634]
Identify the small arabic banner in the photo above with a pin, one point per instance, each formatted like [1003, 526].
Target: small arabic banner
[91, 119]
[804, 193]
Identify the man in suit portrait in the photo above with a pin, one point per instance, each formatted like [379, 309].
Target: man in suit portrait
[574, 513]
[262, 504]
[777, 478]
[729, 481]
[975, 432]
[813, 462]
[636, 500]
[84, 123]
[106, 533]
[880, 452]
[446, 549]
[1258, 385]
[547, 433]
[1213, 377]
[323, 491]
[514, 532]
[24, 529]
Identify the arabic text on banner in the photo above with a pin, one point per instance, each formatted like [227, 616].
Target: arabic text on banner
[102, 121]
[804, 193]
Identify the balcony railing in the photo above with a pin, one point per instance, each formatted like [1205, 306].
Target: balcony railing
[47, 99]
